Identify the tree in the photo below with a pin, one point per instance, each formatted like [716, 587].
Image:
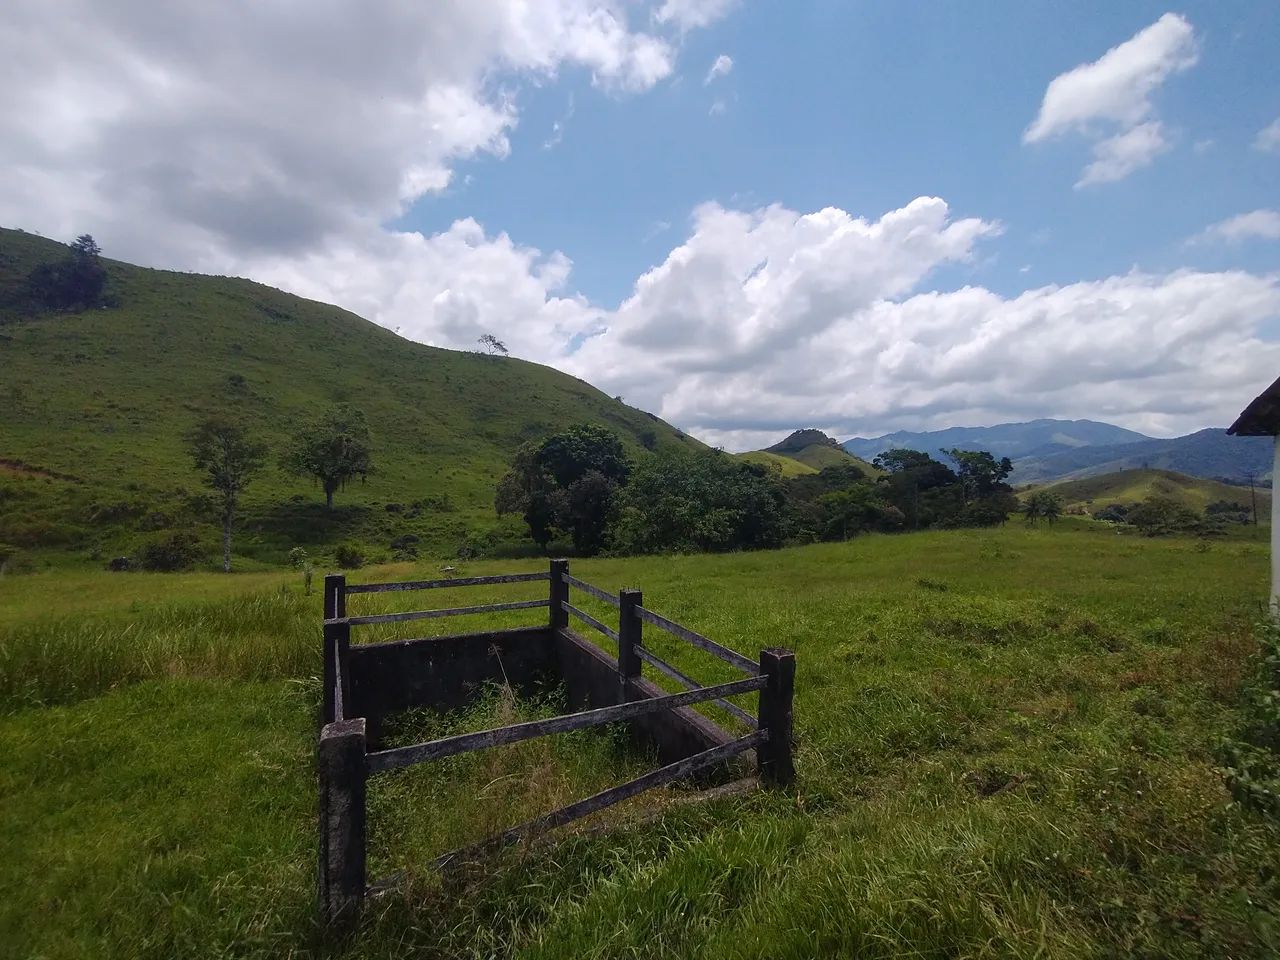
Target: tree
[333, 448]
[1042, 505]
[980, 473]
[703, 501]
[229, 459]
[566, 484]
[1159, 516]
[493, 344]
[76, 282]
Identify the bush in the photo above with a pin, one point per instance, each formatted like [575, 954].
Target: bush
[348, 557]
[1252, 756]
[405, 547]
[178, 551]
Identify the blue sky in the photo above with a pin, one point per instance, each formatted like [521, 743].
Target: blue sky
[865, 106]
[872, 216]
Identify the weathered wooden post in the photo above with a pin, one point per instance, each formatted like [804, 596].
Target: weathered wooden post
[343, 770]
[559, 594]
[774, 755]
[337, 639]
[630, 633]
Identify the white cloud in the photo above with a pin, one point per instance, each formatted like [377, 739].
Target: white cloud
[1117, 157]
[1255, 225]
[692, 14]
[1109, 100]
[720, 68]
[767, 319]
[185, 134]
[1268, 138]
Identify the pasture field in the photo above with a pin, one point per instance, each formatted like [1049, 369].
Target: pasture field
[1007, 745]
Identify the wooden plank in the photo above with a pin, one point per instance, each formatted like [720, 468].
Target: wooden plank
[591, 621]
[663, 667]
[698, 640]
[455, 582]
[450, 612]
[593, 590]
[607, 798]
[465, 742]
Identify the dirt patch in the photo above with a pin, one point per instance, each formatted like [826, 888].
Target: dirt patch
[18, 468]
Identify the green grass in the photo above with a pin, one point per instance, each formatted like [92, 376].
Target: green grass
[96, 406]
[820, 456]
[1132, 486]
[1006, 748]
[786, 466]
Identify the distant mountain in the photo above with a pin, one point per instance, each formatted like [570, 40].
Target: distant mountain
[1207, 453]
[1012, 440]
[800, 439]
[1045, 451]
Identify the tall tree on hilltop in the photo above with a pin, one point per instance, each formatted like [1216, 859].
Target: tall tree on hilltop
[229, 459]
[76, 282]
[333, 448]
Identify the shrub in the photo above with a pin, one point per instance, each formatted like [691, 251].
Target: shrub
[1252, 755]
[405, 547]
[178, 551]
[348, 557]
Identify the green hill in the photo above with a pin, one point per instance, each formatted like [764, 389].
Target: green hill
[1131, 486]
[97, 405]
[814, 449]
[786, 465]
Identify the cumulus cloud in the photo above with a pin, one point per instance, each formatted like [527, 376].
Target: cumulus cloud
[180, 134]
[1109, 100]
[720, 68]
[1117, 157]
[1255, 225]
[766, 319]
[1268, 138]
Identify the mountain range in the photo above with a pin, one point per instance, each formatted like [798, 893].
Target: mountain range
[1049, 450]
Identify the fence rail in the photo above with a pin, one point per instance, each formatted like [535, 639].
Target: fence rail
[467, 742]
[588, 619]
[698, 640]
[448, 612]
[668, 670]
[607, 798]
[454, 582]
[591, 589]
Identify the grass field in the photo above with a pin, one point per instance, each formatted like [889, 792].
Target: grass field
[1006, 748]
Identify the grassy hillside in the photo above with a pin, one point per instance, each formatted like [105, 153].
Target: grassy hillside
[819, 456]
[1006, 748]
[1131, 486]
[785, 465]
[96, 406]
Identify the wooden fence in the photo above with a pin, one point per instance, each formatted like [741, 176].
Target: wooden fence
[346, 762]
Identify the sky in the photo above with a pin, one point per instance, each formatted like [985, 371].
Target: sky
[745, 216]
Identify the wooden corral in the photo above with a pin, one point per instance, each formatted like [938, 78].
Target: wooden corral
[366, 684]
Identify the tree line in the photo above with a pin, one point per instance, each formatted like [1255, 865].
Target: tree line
[579, 485]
